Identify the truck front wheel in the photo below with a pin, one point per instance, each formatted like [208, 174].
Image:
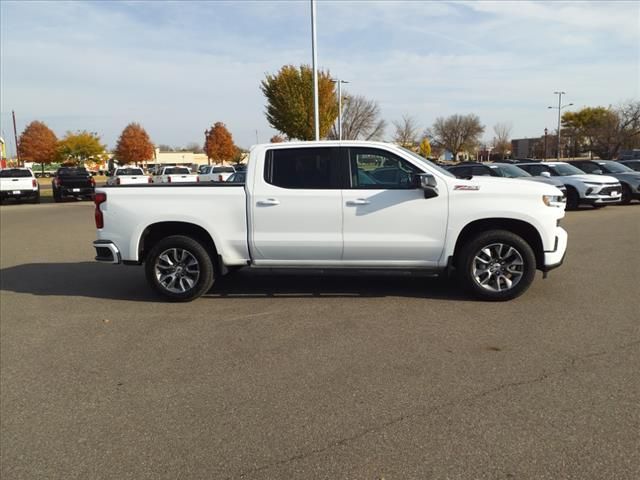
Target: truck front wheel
[496, 265]
[179, 268]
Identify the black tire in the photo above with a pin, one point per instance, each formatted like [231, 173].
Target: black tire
[155, 265]
[56, 197]
[626, 194]
[573, 199]
[521, 275]
[36, 199]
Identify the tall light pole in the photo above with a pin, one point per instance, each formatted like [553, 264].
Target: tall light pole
[560, 107]
[545, 142]
[339, 82]
[314, 54]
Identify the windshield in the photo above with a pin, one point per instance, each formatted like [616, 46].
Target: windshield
[129, 171]
[15, 173]
[510, 171]
[73, 172]
[431, 164]
[614, 167]
[177, 171]
[564, 169]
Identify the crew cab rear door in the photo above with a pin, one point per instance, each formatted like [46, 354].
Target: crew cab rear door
[387, 220]
[296, 207]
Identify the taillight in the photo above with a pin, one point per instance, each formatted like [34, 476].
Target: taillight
[117, 181]
[168, 179]
[198, 179]
[219, 178]
[149, 180]
[34, 183]
[99, 199]
[57, 182]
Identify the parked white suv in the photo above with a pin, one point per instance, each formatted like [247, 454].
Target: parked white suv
[175, 175]
[582, 188]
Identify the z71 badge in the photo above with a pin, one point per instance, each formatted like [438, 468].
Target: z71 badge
[466, 187]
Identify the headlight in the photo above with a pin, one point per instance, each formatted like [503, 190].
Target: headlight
[553, 200]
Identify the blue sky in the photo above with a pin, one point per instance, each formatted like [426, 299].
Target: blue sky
[178, 67]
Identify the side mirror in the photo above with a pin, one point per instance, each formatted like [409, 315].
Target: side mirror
[545, 174]
[426, 182]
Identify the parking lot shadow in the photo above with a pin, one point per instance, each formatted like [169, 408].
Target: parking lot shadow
[95, 280]
[83, 279]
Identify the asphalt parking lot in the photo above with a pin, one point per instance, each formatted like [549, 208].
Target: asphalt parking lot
[394, 377]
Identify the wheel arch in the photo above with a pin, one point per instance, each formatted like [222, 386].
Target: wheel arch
[155, 232]
[523, 229]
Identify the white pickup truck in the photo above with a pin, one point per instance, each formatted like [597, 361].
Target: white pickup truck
[128, 176]
[19, 184]
[175, 175]
[347, 205]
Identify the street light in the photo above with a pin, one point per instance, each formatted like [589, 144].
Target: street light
[314, 58]
[560, 107]
[339, 82]
[545, 142]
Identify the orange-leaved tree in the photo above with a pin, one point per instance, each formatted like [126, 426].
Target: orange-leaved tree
[37, 144]
[134, 145]
[218, 143]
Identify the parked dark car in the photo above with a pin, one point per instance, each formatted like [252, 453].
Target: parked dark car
[629, 179]
[472, 169]
[238, 177]
[73, 182]
[501, 169]
[632, 164]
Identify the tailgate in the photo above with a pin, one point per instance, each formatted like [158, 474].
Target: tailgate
[75, 182]
[183, 178]
[9, 184]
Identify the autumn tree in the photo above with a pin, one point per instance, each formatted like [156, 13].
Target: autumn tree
[290, 108]
[80, 147]
[457, 133]
[277, 139]
[360, 120]
[134, 145]
[502, 139]
[37, 143]
[425, 148]
[218, 144]
[406, 132]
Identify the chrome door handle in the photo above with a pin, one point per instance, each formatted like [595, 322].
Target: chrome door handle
[269, 201]
[358, 201]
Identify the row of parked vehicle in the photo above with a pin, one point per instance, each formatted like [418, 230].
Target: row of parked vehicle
[173, 174]
[583, 182]
[21, 184]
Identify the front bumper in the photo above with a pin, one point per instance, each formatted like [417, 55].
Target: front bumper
[107, 252]
[554, 258]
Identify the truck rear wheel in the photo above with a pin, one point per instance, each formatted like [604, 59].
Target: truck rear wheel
[496, 265]
[179, 268]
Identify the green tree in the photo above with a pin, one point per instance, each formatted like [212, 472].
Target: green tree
[604, 131]
[289, 96]
[134, 145]
[80, 147]
[37, 143]
[425, 148]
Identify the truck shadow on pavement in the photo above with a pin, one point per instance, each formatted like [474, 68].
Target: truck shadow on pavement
[94, 280]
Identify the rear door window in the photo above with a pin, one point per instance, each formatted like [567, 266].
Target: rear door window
[303, 168]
